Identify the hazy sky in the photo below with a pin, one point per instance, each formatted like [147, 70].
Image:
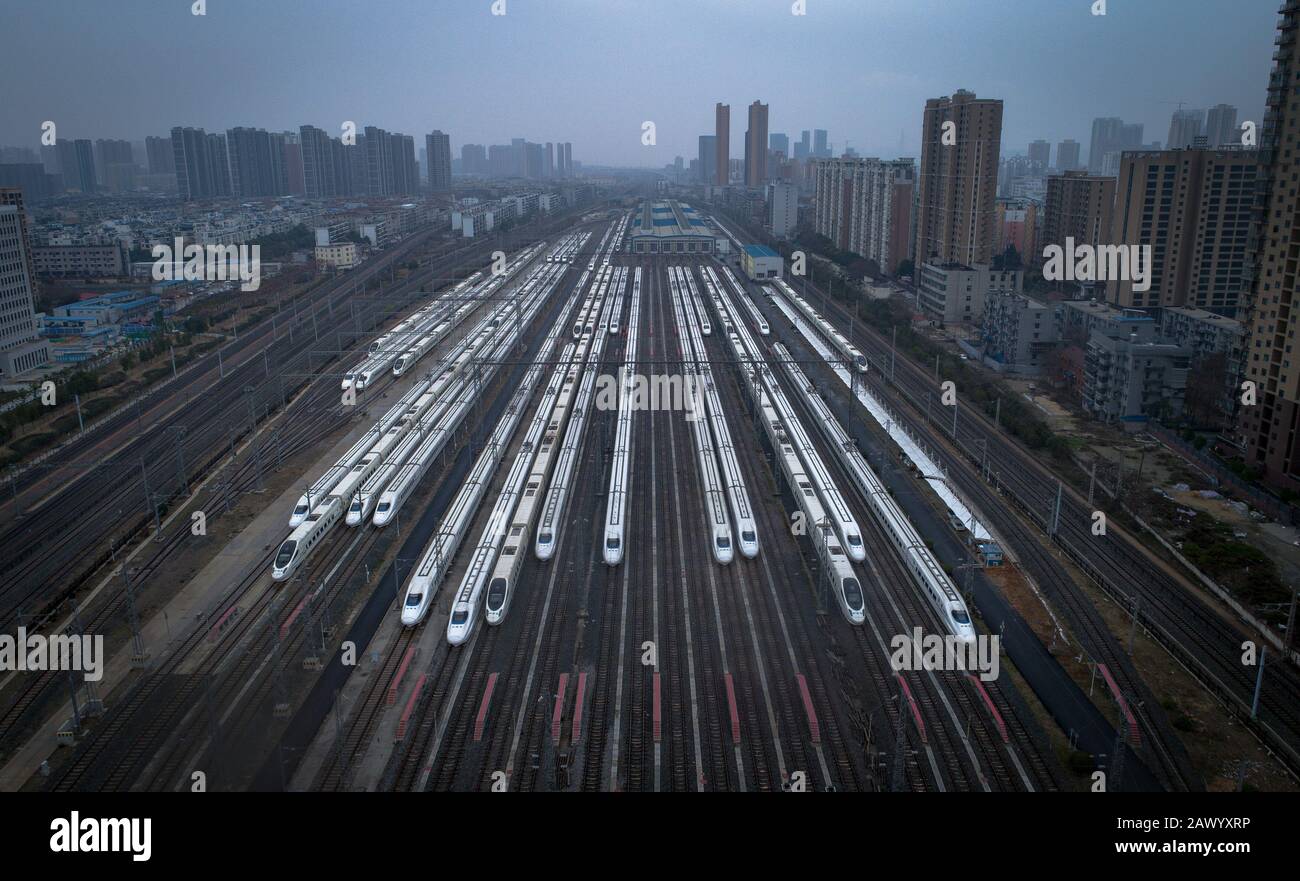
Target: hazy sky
[591, 71]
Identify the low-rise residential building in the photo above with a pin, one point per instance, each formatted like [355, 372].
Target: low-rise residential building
[1017, 331]
[1079, 318]
[1218, 352]
[81, 261]
[340, 255]
[1129, 381]
[953, 293]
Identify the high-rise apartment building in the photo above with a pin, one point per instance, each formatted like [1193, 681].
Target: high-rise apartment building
[1067, 155]
[1079, 206]
[159, 153]
[821, 147]
[865, 206]
[548, 169]
[256, 163]
[722, 139]
[1184, 128]
[1193, 208]
[1221, 127]
[1040, 152]
[960, 145]
[21, 349]
[803, 149]
[1111, 135]
[708, 161]
[1268, 428]
[782, 208]
[438, 148]
[756, 146]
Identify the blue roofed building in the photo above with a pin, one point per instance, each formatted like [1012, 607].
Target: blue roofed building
[760, 262]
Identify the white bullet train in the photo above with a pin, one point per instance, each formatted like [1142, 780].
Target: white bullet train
[426, 578]
[776, 418]
[934, 584]
[839, 341]
[715, 506]
[730, 472]
[619, 474]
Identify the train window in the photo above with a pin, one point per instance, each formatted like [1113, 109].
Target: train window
[545, 538]
[960, 616]
[613, 542]
[300, 510]
[460, 616]
[724, 541]
[384, 506]
[855, 539]
[748, 536]
[413, 599]
[286, 554]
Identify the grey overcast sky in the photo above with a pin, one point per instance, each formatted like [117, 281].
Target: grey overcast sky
[591, 71]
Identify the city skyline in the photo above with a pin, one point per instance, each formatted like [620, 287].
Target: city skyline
[808, 75]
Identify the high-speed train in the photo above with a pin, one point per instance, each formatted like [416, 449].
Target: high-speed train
[927, 574]
[717, 423]
[715, 506]
[838, 340]
[776, 417]
[619, 476]
[426, 578]
[306, 536]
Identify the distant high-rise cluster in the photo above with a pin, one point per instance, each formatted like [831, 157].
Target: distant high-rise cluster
[1110, 137]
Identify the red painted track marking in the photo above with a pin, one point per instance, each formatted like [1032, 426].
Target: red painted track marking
[410, 705]
[916, 712]
[483, 707]
[988, 702]
[1134, 735]
[401, 671]
[731, 705]
[288, 622]
[814, 730]
[658, 707]
[559, 706]
[577, 707]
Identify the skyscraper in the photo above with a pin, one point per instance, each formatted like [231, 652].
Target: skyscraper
[255, 170]
[1111, 135]
[1067, 155]
[804, 147]
[708, 159]
[438, 146]
[317, 163]
[21, 349]
[1268, 429]
[549, 169]
[473, 159]
[722, 136]
[1041, 152]
[779, 142]
[821, 148]
[1221, 126]
[958, 179]
[1192, 207]
[1184, 128]
[1079, 207]
[85, 155]
[756, 146]
[865, 206]
[159, 152]
[193, 163]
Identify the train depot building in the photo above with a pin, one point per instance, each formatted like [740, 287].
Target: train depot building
[669, 227]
